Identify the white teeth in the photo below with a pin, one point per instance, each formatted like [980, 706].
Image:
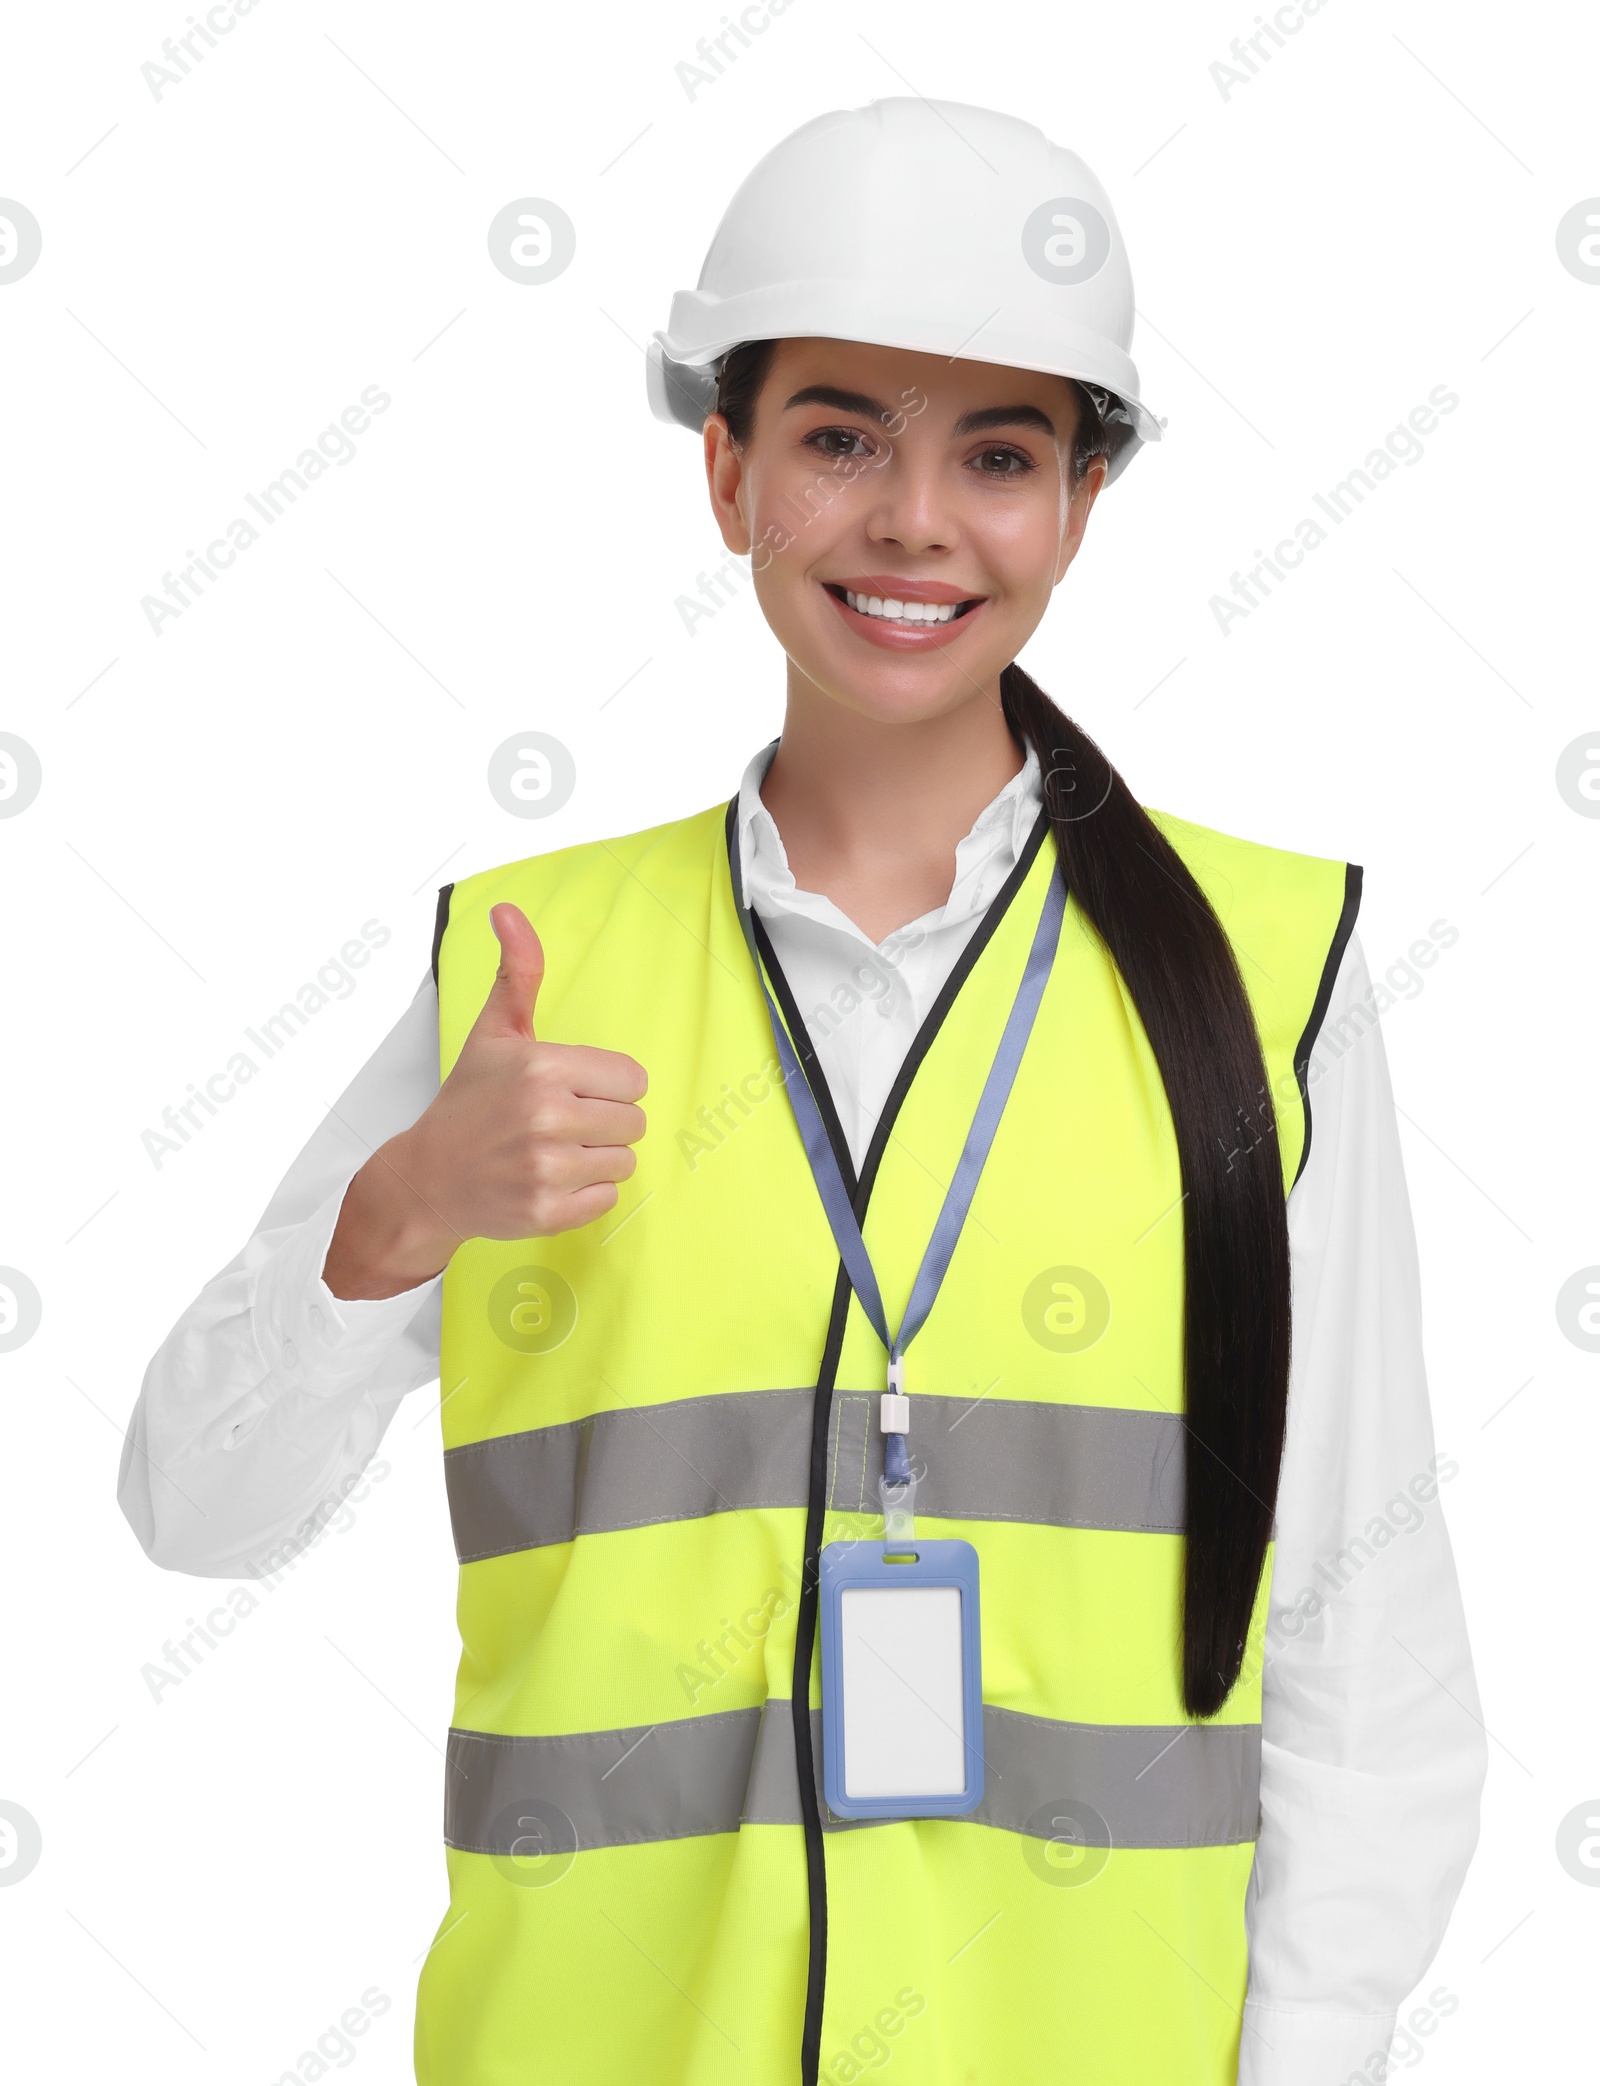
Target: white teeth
[901, 611]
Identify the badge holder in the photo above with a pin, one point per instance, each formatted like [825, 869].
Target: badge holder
[902, 1681]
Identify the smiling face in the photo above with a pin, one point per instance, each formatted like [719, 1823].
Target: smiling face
[907, 517]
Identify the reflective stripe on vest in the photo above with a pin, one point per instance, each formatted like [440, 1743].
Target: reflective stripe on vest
[1140, 1786]
[987, 1459]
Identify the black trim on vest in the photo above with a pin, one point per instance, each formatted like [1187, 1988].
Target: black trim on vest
[805, 1634]
[441, 920]
[805, 1638]
[1319, 1006]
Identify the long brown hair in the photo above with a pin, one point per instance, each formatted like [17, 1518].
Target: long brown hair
[1183, 977]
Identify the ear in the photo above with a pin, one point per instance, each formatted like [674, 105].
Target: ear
[725, 483]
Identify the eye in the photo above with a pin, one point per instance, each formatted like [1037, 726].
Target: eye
[1000, 460]
[836, 442]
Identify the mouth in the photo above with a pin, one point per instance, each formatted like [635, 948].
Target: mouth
[923, 616]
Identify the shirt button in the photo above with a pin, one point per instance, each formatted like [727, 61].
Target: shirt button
[314, 1318]
[290, 1354]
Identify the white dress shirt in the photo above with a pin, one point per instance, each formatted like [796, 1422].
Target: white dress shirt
[270, 1394]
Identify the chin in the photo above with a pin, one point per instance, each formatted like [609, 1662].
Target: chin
[900, 696]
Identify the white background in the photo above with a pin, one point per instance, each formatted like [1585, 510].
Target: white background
[224, 269]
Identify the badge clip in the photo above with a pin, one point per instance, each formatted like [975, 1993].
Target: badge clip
[899, 1504]
[897, 1488]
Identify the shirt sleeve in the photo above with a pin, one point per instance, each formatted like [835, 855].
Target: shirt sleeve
[1373, 1751]
[270, 1395]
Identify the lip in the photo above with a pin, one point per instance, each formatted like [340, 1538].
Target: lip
[888, 588]
[904, 637]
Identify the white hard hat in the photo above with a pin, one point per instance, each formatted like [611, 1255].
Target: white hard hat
[926, 225]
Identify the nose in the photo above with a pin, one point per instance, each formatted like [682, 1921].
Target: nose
[911, 504]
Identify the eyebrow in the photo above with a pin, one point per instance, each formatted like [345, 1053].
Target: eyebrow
[1005, 416]
[974, 423]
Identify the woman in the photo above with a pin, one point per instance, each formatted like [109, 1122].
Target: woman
[1207, 1846]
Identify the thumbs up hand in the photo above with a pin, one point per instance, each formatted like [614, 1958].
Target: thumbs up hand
[508, 1011]
[524, 1139]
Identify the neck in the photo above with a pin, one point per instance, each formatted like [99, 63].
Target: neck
[870, 812]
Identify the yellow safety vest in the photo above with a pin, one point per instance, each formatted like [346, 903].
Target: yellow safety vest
[636, 1416]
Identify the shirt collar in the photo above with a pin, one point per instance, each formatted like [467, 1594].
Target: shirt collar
[985, 857]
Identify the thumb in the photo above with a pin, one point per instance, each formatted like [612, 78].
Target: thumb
[508, 1011]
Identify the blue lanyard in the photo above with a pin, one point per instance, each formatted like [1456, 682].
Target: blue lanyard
[958, 1197]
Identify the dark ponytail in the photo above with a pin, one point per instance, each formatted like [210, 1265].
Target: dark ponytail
[1180, 971]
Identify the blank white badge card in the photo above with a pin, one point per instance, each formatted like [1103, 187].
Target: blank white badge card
[903, 1706]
